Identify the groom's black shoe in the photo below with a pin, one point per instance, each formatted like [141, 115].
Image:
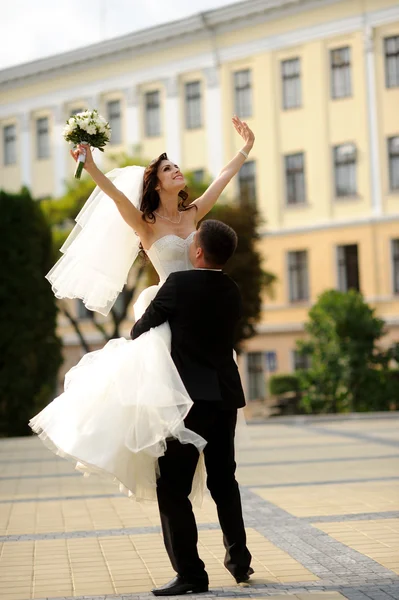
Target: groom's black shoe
[179, 586]
[245, 577]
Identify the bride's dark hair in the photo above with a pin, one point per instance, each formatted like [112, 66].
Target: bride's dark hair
[150, 198]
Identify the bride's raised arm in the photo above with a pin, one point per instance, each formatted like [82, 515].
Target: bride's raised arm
[210, 197]
[129, 213]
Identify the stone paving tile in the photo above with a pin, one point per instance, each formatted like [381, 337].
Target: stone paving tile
[62, 536]
[393, 514]
[388, 439]
[87, 514]
[130, 563]
[303, 473]
[350, 498]
[379, 541]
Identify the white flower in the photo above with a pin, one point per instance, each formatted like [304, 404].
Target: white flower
[68, 129]
[84, 123]
[91, 129]
[88, 121]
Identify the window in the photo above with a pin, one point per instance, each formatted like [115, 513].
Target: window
[247, 183]
[256, 377]
[198, 175]
[345, 170]
[393, 158]
[395, 265]
[295, 178]
[83, 312]
[301, 362]
[193, 105]
[348, 268]
[291, 76]
[392, 61]
[115, 121]
[298, 276]
[243, 93]
[152, 114]
[10, 145]
[340, 73]
[271, 361]
[42, 138]
[75, 111]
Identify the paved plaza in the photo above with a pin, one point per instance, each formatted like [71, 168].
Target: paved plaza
[321, 504]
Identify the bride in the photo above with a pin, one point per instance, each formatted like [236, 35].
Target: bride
[121, 403]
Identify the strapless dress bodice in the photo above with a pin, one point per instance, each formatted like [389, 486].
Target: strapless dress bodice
[169, 254]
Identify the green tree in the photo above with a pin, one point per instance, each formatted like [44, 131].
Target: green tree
[349, 372]
[246, 265]
[60, 214]
[29, 348]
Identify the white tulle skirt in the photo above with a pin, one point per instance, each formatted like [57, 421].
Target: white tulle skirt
[119, 407]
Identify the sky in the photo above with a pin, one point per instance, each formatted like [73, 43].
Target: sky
[31, 30]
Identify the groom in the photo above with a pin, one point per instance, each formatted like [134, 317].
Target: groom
[202, 307]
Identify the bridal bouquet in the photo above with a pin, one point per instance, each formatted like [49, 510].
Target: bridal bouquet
[87, 127]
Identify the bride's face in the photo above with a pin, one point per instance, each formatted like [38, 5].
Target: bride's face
[170, 178]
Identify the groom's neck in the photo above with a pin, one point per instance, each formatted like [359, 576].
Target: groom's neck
[203, 264]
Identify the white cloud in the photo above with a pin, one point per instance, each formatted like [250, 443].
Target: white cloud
[31, 30]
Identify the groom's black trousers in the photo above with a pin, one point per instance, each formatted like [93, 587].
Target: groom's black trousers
[177, 467]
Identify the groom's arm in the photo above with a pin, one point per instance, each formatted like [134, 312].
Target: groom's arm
[159, 310]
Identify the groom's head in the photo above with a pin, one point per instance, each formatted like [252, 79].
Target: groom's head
[214, 243]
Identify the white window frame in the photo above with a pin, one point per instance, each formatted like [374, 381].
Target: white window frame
[193, 104]
[393, 163]
[295, 174]
[247, 182]
[395, 265]
[254, 386]
[114, 117]
[296, 296]
[341, 72]
[9, 145]
[243, 93]
[152, 113]
[43, 138]
[345, 170]
[391, 55]
[291, 83]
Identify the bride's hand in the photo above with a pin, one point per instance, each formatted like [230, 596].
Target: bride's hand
[245, 132]
[81, 149]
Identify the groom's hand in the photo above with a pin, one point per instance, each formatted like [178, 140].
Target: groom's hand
[160, 309]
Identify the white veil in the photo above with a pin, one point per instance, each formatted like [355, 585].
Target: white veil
[101, 248]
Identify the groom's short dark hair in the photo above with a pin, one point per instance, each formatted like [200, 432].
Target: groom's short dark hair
[218, 242]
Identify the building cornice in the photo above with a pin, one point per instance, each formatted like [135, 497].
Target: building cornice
[194, 28]
[361, 222]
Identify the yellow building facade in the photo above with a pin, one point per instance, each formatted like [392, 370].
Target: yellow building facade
[317, 80]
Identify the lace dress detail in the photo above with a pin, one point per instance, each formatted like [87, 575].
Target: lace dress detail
[170, 254]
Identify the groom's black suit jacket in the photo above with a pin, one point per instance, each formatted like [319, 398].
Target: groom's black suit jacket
[203, 308]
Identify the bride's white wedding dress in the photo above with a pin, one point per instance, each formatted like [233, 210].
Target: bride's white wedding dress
[122, 403]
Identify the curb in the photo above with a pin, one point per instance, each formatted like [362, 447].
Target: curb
[308, 419]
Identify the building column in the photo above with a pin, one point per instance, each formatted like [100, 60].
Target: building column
[214, 122]
[132, 120]
[60, 150]
[25, 149]
[172, 120]
[374, 145]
